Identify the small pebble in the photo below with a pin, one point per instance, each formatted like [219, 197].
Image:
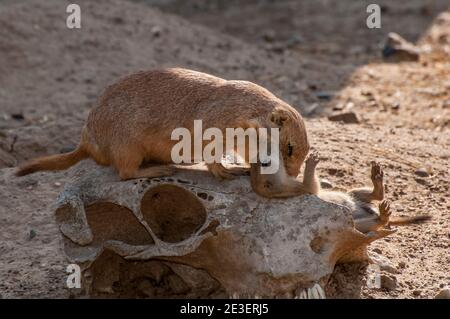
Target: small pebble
[294, 41]
[269, 36]
[118, 20]
[155, 31]
[395, 106]
[422, 172]
[325, 95]
[366, 93]
[348, 117]
[446, 104]
[32, 234]
[18, 116]
[421, 181]
[338, 107]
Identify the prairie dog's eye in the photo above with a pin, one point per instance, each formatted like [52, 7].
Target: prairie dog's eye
[290, 149]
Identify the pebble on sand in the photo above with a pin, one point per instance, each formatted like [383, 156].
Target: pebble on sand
[422, 172]
[347, 117]
[31, 234]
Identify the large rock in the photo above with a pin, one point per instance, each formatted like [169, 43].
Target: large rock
[229, 239]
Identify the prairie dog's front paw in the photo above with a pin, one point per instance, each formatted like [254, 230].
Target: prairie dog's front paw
[385, 211]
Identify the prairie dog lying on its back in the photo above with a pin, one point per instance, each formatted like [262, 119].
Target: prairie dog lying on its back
[366, 215]
[132, 122]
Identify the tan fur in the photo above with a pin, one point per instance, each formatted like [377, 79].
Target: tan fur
[367, 216]
[133, 119]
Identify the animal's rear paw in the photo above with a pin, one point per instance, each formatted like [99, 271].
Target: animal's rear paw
[377, 173]
[313, 159]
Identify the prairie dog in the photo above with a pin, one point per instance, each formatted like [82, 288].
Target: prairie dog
[132, 121]
[366, 215]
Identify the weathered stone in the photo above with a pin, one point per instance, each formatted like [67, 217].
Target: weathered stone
[384, 263]
[347, 117]
[422, 172]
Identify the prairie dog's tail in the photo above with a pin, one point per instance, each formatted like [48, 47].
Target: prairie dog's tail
[399, 221]
[52, 162]
[59, 161]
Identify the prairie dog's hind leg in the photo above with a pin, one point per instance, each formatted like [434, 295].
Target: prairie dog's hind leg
[155, 171]
[310, 180]
[148, 172]
[222, 172]
[377, 176]
[368, 195]
[128, 167]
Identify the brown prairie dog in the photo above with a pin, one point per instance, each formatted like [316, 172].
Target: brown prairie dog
[367, 216]
[132, 121]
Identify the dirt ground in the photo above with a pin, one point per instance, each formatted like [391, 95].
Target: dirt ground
[317, 55]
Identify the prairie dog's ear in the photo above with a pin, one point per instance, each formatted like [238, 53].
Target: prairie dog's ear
[279, 116]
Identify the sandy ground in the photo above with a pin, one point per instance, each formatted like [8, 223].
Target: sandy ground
[300, 50]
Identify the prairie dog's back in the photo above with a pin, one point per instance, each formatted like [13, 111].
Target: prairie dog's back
[172, 98]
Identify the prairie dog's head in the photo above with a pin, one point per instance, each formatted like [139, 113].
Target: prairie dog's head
[294, 145]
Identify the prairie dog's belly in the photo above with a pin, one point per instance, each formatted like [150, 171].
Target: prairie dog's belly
[338, 198]
[365, 215]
